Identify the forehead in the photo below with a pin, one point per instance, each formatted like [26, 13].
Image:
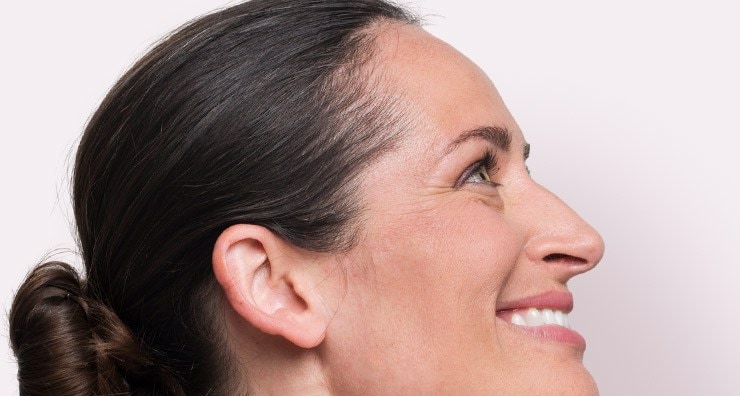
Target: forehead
[445, 91]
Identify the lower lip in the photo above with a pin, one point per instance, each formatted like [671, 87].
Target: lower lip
[553, 333]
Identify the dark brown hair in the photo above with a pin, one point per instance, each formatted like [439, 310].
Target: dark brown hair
[260, 113]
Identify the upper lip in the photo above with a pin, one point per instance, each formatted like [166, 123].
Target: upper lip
[555, 299]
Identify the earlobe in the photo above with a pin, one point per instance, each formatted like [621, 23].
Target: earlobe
[262, 279]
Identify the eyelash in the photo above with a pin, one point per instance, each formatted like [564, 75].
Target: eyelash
[488, 163]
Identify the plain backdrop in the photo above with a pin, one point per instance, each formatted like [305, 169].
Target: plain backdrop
[631, 107]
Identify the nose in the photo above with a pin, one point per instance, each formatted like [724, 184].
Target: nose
[557, 237]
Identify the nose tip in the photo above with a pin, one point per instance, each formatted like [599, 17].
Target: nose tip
[560, 238]
[594, 246]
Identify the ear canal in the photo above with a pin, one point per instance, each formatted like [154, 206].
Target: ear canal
[272, 296]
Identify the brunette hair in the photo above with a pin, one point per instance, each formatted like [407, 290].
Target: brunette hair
[260, 113]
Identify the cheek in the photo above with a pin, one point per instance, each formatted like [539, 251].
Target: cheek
[421, 293]
[463, 249]
[433, 273]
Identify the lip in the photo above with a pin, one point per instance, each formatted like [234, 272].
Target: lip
[555, 300]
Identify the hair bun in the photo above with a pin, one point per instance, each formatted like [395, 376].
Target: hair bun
[67, 344]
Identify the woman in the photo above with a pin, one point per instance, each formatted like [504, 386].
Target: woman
[307, 197]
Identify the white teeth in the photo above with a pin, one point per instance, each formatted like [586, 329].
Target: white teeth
[560, 318]
[534, 317]
[548, 316]
[518, 320]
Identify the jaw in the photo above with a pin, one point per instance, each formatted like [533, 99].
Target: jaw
[491, 358]
[540, 365]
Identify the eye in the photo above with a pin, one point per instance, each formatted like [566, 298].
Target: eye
[480, 172]
[479, 175]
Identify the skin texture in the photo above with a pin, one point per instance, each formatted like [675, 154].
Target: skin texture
[411, 309]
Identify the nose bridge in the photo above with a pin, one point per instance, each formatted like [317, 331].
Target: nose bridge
[554, 229]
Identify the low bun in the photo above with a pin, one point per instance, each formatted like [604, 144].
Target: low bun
[67, 344]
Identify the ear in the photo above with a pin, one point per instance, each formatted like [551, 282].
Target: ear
[265, 282]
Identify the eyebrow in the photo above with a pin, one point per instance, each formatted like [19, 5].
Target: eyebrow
[497, 136]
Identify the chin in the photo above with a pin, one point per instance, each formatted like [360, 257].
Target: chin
[565, 378]
[583, 384]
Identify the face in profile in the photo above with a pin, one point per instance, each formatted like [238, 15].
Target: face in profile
[458, 282]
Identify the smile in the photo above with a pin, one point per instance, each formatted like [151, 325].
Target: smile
[545, 324]
[542, 316]
[534, 317]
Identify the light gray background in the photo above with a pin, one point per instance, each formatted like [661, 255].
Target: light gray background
[631, 108]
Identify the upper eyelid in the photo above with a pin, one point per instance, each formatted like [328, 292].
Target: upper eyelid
[469, 170]
[492, 151]
[488, 160]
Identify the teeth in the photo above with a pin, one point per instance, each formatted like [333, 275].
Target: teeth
[518, 320]
[548, 316]
[534, 317]
[560, 318]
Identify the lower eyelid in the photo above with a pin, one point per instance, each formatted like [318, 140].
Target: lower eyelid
[494, 202]
[487, 185]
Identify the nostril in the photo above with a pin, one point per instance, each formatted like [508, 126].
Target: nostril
[563, 258]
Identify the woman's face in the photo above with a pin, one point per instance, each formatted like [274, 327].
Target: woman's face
[457, 242]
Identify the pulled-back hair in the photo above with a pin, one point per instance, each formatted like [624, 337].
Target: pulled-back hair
[260, 113]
